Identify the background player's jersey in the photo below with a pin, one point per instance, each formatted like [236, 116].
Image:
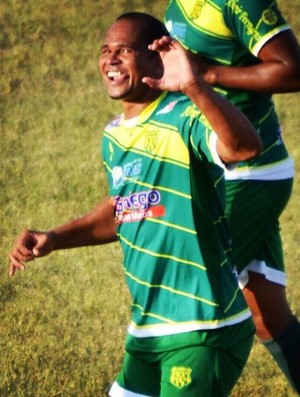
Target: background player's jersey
[231, 33]
[171, 222]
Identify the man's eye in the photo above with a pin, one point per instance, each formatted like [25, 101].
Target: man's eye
[126, 51]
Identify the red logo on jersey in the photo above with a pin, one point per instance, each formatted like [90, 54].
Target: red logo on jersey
[138, 206]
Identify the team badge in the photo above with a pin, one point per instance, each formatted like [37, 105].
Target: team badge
[269, 17]
[151, 140]
[196, 10]
[180, 377]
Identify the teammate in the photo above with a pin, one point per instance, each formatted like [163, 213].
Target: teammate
[247, 51]
[191, 330]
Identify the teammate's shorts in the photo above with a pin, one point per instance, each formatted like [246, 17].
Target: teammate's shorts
[253, 210]
[207, 366]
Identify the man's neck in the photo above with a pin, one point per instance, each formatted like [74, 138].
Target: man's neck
[134, 109]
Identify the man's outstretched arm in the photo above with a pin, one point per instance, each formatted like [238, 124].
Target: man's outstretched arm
[95, 228]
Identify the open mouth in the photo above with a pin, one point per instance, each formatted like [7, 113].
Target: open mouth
[113, 75]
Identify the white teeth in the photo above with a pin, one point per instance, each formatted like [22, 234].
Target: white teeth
[113, 74]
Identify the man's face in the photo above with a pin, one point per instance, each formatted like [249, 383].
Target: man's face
[124, 60]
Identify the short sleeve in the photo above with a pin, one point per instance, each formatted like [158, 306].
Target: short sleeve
[254, 22]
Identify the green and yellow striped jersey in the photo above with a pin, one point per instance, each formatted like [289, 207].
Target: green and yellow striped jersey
[168, 196]
[231, 33]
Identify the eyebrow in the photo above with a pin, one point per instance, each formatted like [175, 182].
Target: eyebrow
[122, 45]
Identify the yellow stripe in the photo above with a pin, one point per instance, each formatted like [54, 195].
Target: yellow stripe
[147, 112]
[152, 253]
[172, 225]
[220, 220]
[166, 155]
[153, 141]
[262, 167]
[154, 315]
[163, 125]
[232, 300]
[172, 290]
[271, 110]
[225, 261]
[202, 324]
[209, 18]
[161, 188]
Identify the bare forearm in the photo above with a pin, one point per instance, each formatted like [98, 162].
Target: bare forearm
[94, 228]
[278, 70]
[268, 77]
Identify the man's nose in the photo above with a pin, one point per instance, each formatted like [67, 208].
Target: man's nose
[113, 57]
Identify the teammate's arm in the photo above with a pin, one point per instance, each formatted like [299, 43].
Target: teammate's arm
[277, 72]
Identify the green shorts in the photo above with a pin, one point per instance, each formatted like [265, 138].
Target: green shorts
[207, 366]
[253, 210]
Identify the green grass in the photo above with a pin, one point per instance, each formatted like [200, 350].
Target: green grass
[62, 322]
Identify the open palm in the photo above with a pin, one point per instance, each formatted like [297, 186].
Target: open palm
[178, 71]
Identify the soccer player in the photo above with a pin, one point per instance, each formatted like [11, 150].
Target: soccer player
[247, 51]
[191, 330]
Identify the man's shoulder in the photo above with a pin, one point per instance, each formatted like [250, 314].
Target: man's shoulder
[172, 101]
[115, 122]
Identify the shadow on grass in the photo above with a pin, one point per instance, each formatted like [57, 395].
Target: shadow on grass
[7, 293]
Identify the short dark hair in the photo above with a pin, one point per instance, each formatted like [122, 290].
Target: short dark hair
[152, 28]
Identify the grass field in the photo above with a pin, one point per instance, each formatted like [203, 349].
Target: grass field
[62, 322]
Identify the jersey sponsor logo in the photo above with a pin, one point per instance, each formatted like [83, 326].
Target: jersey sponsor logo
[177, 30]
[180, 377]
[127, 173]
[139, 215]
[269, 17]
[138, 206]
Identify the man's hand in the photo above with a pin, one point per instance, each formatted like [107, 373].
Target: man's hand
[178, 71]
[30, 245]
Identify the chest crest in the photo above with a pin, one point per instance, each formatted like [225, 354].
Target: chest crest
[151, 139]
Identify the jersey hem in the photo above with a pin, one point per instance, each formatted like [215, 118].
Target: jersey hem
[275, 172]
[163, 330]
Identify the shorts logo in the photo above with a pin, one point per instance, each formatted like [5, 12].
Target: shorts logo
[180, 377]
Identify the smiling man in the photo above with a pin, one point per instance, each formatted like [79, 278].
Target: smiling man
[191, 331]
[123, 80]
